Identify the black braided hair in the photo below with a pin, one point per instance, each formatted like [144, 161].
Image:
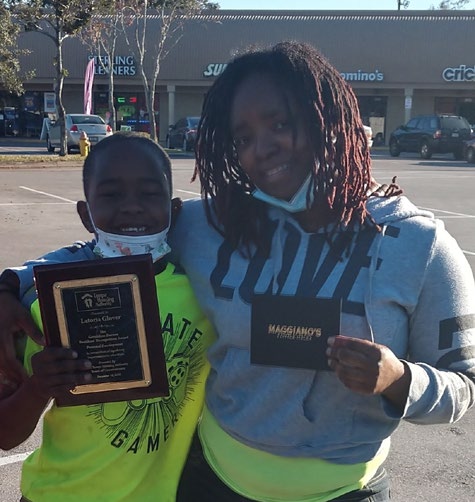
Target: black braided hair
[329, 108]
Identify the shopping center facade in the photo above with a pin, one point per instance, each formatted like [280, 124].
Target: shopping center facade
[400, 64]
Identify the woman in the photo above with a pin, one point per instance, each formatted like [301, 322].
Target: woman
[285, 169]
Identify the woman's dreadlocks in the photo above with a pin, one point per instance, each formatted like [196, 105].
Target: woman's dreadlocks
[329, 109]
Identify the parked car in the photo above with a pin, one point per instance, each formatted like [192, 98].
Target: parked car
[94, 126]
[183, 134]
[428, 134]
[469, 151]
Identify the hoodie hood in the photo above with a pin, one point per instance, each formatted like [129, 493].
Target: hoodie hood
[386, 210]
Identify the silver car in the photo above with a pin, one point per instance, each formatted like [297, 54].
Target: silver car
[94, 126]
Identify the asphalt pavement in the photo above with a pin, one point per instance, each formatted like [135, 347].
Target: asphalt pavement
[426, 463]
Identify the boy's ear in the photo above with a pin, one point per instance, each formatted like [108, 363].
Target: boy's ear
[81, 208]
[177, 204]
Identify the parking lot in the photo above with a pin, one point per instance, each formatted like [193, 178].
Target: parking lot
[427, 464]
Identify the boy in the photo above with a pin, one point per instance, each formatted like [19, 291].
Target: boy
[122, 451]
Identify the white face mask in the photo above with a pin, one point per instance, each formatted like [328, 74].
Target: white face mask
[296, 204]
[114, 245]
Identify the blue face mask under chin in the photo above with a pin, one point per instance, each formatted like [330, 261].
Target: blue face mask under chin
[296, 204]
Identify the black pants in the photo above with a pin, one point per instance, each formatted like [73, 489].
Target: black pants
[199, 483]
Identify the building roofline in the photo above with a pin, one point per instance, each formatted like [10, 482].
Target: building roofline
[327, 15]
[415, 15]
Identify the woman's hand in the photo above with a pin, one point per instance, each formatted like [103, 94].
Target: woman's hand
[369, 368]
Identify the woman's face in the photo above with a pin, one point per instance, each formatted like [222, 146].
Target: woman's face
[263, 132]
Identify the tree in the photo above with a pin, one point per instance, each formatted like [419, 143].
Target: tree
[150, 49]
[101, 36]
[444, 5]
[10, 76]
[452, 4]
[57, 20]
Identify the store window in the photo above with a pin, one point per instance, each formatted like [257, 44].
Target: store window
[373, 111]
[445, 106]
[131, 110]
[30, 116]
[464, 107]
[21, 115]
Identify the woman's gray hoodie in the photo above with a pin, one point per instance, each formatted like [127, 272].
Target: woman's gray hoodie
[408, 287]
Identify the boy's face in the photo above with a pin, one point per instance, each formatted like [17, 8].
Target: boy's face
[128, 194]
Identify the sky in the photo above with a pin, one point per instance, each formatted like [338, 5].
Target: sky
[328, 4]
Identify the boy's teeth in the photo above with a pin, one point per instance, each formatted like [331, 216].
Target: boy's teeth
[133, 229]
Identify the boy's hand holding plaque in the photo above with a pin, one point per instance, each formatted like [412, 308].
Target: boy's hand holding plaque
[293, 331]
[107, 311]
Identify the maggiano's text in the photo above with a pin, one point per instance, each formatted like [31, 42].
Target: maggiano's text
[292, 332]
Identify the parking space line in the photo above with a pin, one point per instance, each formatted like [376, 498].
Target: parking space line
[462, 215]
[191, 193]
[48, 194]
[450, 217]
[35, 203]
[13, 459]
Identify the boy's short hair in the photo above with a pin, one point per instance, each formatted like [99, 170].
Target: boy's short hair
[125, 140]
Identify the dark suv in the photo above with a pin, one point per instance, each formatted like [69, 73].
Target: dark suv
[428, 134]
[183, 134]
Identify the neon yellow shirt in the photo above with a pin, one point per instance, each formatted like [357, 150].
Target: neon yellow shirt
[135, 450]
[261, 476]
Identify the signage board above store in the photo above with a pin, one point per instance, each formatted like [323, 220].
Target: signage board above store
[215, 69]
[123, 66]
[363, 76]
[461, 73]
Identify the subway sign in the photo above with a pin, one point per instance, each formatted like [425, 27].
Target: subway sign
[461, 73]
[214, 69]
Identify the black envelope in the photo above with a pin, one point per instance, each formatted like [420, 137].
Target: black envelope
[292, 332]
[107, 311]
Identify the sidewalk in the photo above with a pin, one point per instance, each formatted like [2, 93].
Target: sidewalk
[34, 146]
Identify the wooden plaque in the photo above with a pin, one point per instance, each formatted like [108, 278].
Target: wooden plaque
[107, 311]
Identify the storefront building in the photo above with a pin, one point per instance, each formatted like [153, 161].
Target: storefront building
[400, 64]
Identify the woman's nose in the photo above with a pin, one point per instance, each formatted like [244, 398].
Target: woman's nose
[265, 145]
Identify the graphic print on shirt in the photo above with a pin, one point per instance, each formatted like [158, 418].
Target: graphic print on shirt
[144, 425]
[448, 329]
[316, 270]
